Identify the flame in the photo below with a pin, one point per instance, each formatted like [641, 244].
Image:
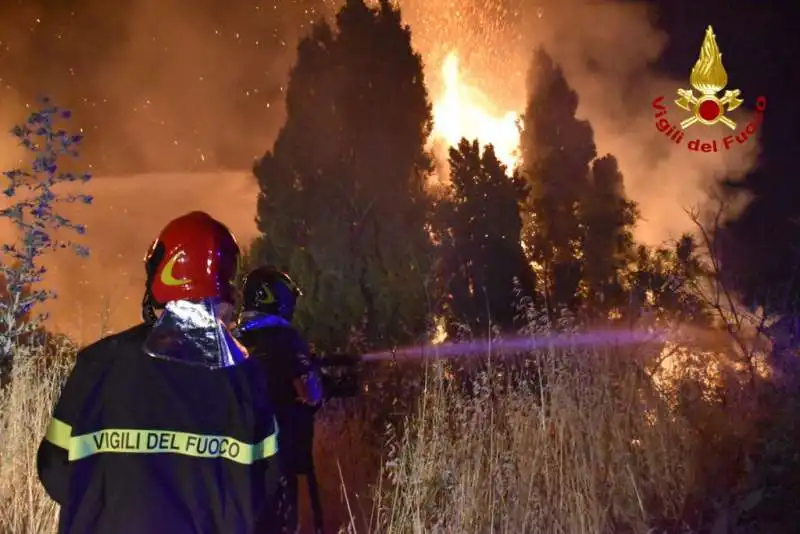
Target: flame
[463, 111]
[708, 75]
[440, 333]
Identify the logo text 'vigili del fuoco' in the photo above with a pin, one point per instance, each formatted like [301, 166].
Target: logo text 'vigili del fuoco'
[708, 78]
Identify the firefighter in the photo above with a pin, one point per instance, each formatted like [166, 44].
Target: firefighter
[167, 427]
[294, 381]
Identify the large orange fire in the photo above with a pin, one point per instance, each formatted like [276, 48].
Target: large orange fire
[461, 110]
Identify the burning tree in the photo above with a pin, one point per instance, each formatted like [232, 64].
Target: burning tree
[478, 228]
[342, 202]
[578, 222]
[607, 220]
[557, 149]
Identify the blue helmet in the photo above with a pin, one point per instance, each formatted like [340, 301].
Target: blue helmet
[269, 290]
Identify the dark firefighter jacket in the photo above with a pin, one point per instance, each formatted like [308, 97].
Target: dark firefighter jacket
[141, 445]
[286, 357]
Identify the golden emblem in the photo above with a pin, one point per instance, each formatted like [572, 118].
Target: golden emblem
[709, 78]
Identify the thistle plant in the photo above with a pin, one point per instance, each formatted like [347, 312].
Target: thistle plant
[32, 208]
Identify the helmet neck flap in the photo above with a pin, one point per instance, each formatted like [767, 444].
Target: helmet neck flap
[190, 332]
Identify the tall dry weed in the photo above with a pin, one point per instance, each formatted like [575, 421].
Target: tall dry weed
[26, 404]
[584, 445]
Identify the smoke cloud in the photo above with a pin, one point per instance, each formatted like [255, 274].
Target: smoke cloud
[607, 63]
[103, 293]
[178, 98]
[11, 108]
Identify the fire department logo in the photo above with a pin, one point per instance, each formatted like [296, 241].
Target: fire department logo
[708, 77]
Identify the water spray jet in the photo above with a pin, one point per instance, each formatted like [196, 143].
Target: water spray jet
[341, 372]
[454, 349]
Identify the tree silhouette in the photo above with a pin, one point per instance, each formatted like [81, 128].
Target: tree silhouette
[342, 203]
[607, 219]
[478, 228]
[556, 149]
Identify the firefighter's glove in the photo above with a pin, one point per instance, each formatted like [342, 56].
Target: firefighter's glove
[309, 389]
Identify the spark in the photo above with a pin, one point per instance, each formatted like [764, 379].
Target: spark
[474, 69]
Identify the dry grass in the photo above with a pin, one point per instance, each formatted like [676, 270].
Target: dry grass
[26, 404]
[584, 446]
[589, 442]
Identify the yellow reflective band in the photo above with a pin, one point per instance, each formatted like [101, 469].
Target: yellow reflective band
[58, 433]
[165, 441]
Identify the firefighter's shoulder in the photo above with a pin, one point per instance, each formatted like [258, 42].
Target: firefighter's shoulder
[96, 356]
[289, 339]
[282, 338]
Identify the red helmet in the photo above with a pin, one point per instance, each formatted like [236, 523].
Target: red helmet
[194, 257]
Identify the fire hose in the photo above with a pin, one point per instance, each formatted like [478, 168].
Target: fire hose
[340, 374]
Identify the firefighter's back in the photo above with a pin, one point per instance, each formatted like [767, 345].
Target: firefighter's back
[165, 446]
[283, 354]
